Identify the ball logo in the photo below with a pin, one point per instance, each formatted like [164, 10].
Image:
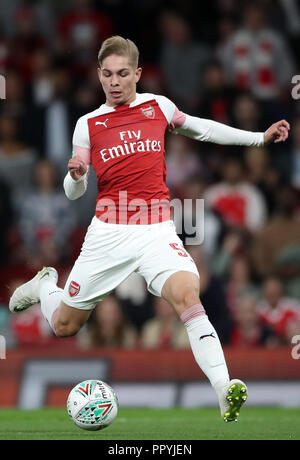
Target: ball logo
[74, 288]
[149, 112]
[103, 409]
[84, 389]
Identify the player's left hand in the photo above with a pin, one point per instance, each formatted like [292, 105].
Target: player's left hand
[278, 132]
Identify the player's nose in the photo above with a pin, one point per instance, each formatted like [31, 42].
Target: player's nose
[114, 80]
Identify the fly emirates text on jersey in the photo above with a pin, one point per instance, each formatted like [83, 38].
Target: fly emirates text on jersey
[131, 143]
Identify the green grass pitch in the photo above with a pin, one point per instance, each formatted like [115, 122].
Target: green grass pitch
[154, 424]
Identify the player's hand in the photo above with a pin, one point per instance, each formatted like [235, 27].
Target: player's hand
[77, 167]
[278, 132]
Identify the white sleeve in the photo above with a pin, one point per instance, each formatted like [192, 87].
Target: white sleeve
[81, 146]
[75, 188]
[204, 130]
[81, 135]
[167, 107]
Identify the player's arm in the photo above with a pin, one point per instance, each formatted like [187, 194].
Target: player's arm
[211, 131]
[76, 181]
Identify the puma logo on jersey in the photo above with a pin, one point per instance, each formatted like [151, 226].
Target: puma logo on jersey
[207, 335]
[101, 123]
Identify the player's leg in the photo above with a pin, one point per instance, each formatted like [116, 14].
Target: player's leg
[104, 262]
[170, 272]
[181, 290]
[68, 321]
[64, 320]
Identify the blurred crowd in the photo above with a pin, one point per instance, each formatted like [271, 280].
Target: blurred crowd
[232, 61]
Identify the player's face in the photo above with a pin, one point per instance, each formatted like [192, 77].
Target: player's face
[118, 79]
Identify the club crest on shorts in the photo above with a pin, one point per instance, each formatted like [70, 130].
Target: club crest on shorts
[74, 288]
[149, 112]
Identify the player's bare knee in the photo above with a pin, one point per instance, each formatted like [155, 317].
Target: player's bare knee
[183, 292]
[188, 297]
[64, 329]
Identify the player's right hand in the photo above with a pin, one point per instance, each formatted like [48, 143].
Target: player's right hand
[77, 167]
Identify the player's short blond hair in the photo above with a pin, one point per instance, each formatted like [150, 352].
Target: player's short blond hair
[120, 46]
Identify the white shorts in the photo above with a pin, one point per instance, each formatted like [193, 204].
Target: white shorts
[111, 252]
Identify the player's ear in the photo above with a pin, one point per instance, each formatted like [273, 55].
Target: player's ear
[99, 72]
[138, 74]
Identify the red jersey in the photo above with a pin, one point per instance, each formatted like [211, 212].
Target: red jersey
[125, 144]
[279, 317]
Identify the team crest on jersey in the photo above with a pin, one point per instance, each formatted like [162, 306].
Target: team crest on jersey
[149, 112]
[74, 288]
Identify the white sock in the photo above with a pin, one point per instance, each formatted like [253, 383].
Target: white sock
[206, 346]
[50, 296]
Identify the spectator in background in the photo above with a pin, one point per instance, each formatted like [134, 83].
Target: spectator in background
[41, 85]
[165, 330]
[226, 27]
[183, 160]
[237, 202]
[16, 159]
[58, 121]
[137, 302]
[19, 105]
[212, 293]
[81, 31]
[275, 309]
[15, 103]
[257, 58]
[279, 233]
[233, 265]
[257, 162]
[6, 221]
[152, 81]
[239, 281]
[291, 11]
[107, 327]
[8, 11]
[218, 95]
[180, 52]
[26, 41]
[287, 267]
[247, 113]
[45, 218]
[4, 54]
[294, 162]
[29, 328]
[248, 330]
[233, 245]
[85, 99]
[261, 173]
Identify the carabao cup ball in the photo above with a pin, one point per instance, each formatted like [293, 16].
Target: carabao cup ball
[92, 405]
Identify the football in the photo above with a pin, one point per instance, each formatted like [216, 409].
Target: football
[92, 405]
